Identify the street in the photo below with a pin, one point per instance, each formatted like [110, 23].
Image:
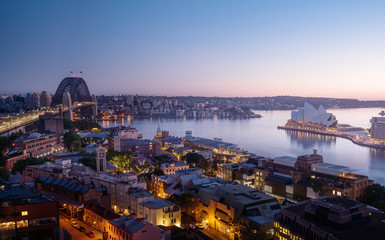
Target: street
[76, 234]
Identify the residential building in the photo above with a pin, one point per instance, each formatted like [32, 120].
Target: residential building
[22, 216]
[219, 204]
[171, 168]
[118, 187]
[14, 156]
[146, 147]
[136, 197]
[130, 227]
[98, 216]
[115, 137]
[40, 145]
[242, 173]
[160, 212]
[329, 218]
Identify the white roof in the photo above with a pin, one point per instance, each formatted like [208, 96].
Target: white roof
[286, 161]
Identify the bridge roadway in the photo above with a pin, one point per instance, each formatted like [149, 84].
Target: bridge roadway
[17, 121]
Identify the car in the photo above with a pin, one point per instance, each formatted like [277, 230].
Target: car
[75, 224]
[90, 234]
[81, 229]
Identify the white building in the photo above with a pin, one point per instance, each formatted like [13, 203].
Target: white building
[309, 114]
[160, 212]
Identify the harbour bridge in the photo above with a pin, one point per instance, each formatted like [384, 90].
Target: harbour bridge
[72, 98]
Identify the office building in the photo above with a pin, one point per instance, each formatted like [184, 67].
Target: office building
[377, 129]
[329, 218]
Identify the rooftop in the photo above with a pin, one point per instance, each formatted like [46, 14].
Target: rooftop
[210, 142]
[286, 161]
[157, 203]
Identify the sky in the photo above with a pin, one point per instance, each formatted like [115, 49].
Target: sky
[196, 48]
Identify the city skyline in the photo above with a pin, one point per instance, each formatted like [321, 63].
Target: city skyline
[172, 48]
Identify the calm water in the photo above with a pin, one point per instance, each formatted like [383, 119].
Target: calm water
[262, 137]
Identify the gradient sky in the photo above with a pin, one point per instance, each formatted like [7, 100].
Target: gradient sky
[202, 48]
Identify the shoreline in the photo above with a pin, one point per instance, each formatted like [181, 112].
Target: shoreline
[349, 137]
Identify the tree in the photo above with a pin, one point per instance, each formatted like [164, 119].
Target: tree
[375, 196]
[242, 230]
[72, 140]
[158, 172]
[90, 162]
[19, 166]
[318, 186]
[4, 173]
[186, 201]
[68, 124]
[122, 160]
[15, 136]
[145, 167]
[192, 159]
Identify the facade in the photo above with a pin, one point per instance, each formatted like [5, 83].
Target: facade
[329, 218]
[118, 187]
[171, 168]
[167, 141]
[13, 158]
[40, 145]
[219, 204]
[130, 227]
[136, 197]
[160, 212]
[115, 138]
[97, 216]
[147, 148]
[309, 114]
[377, 129]
[22, 216]
[51, 123]
[242, 173]
[291, 177]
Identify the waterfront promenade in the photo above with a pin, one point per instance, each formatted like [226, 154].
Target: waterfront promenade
[361, 140]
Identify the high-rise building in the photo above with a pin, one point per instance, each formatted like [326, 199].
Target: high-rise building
[45, 99]
[378, 127]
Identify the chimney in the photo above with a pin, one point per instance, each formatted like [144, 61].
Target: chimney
[314, 151]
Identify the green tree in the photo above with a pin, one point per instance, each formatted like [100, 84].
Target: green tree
[122, 160]
[15, 136]
[68, 124]
[185, 201]
[20, 165]
[158, 172]
[70, 138]
[4, 173]
[90, 162]
[318, 186]
[375, 196]
[242, 230]
[192, 159]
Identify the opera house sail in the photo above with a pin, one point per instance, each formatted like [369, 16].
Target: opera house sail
[309, 115]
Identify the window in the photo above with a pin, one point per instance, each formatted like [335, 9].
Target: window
[24, 213]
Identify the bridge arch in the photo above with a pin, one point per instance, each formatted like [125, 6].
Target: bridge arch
[77, 88]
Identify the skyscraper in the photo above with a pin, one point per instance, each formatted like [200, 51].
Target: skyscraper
[45, 99]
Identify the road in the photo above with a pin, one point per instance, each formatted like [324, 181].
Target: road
[76, 234]
[19, 120]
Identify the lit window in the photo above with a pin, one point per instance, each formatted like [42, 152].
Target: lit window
[334, 192]
[24, 213]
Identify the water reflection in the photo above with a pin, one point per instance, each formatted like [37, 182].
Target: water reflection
[310, 140]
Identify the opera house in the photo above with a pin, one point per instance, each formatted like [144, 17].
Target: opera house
[310, 115]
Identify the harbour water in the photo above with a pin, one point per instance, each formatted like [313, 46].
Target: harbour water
[261, 136]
